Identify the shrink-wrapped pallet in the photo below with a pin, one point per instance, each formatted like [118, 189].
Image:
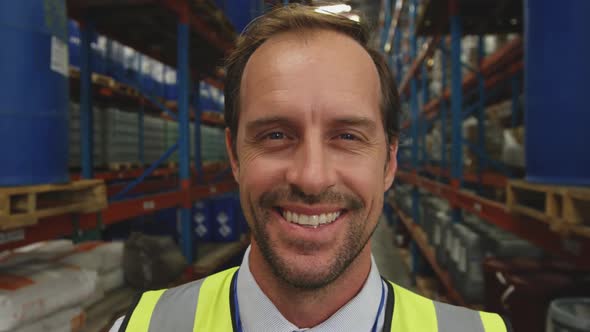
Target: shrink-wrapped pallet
[32, 291]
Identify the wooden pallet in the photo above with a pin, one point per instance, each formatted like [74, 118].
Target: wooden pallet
[23, 206]
[564, 208]
[126, 89]
[103, 80]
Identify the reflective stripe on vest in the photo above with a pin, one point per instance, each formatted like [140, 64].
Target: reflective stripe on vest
[206, 306]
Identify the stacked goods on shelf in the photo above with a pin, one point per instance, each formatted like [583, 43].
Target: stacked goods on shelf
[124, 64]
[98, 46]
[121, 137]
[38, 291]
[468, 243]
[434, 211]
[75, 146]
[434, 146]
[116, 137]
[403, 198]
[494, 141]
[501, 143]
[104, 258]
[211, 99]
[569, 314]
[154, 145]
[227, 218]
[202, 218]
[522, 289]
[212, 144]
[68, 320]
[171, 135]
[170, 89]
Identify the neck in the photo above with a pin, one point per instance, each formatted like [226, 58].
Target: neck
[309, 308]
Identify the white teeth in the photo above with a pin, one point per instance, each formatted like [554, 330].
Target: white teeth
[310, 220]
[314, 220]
[303, 219]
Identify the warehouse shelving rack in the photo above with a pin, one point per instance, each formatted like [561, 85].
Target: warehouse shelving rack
[498, 77]
[167, 30]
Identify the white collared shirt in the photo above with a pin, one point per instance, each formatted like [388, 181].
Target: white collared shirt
[259, 314]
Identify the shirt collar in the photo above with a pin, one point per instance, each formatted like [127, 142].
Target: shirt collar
[258, 313]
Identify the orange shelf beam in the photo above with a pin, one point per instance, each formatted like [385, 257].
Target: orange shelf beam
[60, 226]
[498, 67]
[427, 49]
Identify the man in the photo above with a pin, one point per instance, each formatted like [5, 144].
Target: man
[312, 116]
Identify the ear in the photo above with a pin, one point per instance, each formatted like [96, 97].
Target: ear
[233, 159]
[391, 165]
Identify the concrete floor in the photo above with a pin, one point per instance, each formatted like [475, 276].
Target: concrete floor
[387, 256]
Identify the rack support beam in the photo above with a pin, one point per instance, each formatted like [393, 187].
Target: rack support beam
[184, 130]
[86, 114]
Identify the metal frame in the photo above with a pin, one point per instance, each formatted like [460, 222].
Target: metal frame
[494, 73]
[165, 191]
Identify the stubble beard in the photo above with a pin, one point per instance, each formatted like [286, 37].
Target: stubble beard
[309, 279]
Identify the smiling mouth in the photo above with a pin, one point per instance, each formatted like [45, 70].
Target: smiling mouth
[312, 221]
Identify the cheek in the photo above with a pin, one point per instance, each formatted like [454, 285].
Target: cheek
[259, 172]
[363, 175]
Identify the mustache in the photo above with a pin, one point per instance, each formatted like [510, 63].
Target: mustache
[272, 198]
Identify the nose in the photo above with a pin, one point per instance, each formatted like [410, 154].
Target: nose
[311, 171]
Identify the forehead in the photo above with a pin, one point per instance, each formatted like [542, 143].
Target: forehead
[321, 70]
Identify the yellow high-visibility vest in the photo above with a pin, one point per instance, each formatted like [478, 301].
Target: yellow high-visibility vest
[205, 305]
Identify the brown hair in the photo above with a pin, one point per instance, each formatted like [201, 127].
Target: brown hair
[300, 18]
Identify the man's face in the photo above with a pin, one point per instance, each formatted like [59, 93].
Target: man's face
[311, 149]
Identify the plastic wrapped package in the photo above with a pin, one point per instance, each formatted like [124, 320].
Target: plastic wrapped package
[37, 252]
[68, 320]
[111, 280]
[32, 291]
[96, 296]
[513, 150]
[96, 255]
[494, 141]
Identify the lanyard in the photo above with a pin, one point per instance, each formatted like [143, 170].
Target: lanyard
[237, 306]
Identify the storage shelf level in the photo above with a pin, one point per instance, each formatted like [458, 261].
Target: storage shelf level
[420, 239]
[571, 247]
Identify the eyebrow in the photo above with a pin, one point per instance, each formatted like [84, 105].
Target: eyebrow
[266, 121]
[359, 122]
